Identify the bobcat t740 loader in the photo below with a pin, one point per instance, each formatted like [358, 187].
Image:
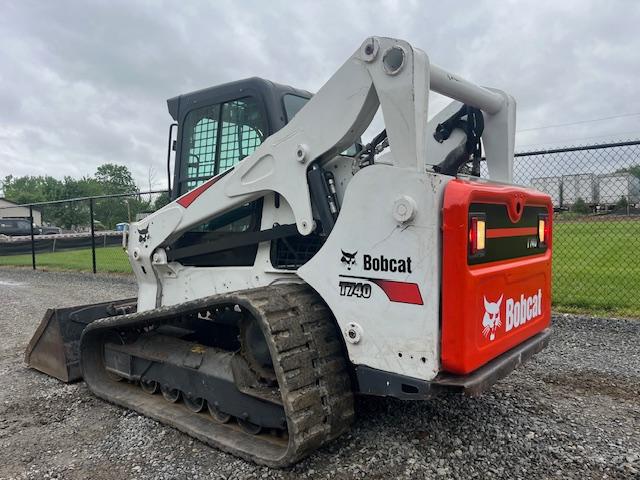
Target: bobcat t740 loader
[296, 267]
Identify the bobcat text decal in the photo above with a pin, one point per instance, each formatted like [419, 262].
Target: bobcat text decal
[396, 290]
[517, 313]
[384, 264]
[378, 263]
[521, 311]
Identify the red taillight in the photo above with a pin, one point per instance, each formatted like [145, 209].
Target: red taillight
[544, 230]
[477, 234]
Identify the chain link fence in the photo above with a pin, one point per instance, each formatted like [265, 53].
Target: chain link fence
[78, 234]
[596, 233]
[595, 191]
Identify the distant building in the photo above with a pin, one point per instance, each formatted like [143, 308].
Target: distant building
[604, 190]
[10, 209]
[615, 186]
[552, 186]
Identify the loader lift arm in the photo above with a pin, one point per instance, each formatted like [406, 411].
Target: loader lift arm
[383, 72]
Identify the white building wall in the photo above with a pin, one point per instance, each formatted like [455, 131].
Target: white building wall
[11, 210]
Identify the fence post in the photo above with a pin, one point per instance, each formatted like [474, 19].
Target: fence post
[93, 236]
[33, 241]
[628, 208]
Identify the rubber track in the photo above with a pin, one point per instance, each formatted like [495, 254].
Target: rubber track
[308, 357]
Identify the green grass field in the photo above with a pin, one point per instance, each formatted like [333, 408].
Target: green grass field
[596, 266]
[108, 259]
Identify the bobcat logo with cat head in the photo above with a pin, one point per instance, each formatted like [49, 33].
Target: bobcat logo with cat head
[491, 320]
[348, 259]
[143, 234]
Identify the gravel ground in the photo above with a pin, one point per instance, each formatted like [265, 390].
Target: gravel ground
[572, 412]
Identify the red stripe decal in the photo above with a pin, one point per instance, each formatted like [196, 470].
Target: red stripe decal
[402, 292]
[511, 232]
[189, 197]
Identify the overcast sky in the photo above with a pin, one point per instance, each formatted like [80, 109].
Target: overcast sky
[83, 83]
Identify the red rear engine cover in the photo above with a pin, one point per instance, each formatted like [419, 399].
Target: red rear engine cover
[494, 300]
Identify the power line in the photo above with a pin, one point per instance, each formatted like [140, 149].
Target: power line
[599, 146]
[580, 122]
[610, 136]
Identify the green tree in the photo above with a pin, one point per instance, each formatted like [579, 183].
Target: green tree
[622, 204]
[115, 179]
[75, 214]
[633, 169]
[580, 206]
[109, 179]
[30, 189]
[161, 200]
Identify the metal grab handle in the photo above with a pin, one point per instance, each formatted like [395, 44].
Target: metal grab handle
[125, 239]
[457, 88]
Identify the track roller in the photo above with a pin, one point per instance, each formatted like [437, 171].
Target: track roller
[149, 386]
[171, 395]
[250, 428]
[217, 415]
[194, 404]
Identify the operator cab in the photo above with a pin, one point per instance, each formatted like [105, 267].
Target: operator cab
[218, 127]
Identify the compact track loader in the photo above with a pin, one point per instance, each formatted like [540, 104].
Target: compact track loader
[296, 267]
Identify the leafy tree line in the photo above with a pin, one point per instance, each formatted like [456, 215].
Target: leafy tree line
[633, 170]
[108, 179]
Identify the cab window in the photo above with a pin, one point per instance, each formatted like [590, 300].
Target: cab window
[293, 104]
[217, 137]
[214, 139]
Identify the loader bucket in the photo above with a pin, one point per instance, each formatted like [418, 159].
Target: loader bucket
[54, 347]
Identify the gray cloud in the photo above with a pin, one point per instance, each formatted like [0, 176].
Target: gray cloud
[83, 83]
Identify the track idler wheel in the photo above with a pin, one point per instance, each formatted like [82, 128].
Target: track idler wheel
[255, 350]
[194, 404]
[171, 395]
[149, 386]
